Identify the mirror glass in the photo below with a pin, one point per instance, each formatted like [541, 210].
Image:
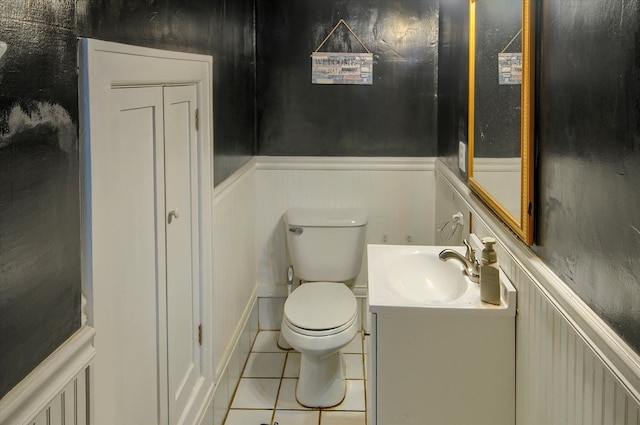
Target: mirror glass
[500, 109]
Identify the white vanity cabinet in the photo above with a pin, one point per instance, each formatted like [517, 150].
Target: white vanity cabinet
[432, 365]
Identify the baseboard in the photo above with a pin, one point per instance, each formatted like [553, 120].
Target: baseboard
[229, 375]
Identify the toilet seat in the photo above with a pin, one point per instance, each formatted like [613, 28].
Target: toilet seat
[321, 332]
[321, 309]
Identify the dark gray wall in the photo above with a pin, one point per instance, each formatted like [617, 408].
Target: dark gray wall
[453, 81]
[396, 116]
[39, 172]
[588, 147]
[39, 185]
[589, 154]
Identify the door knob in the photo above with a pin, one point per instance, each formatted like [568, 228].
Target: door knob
[173, 214]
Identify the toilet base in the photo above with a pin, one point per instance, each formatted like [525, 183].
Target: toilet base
[322, 380]
[283, 344]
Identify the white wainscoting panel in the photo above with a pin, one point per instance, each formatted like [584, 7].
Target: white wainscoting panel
[572, 369]
[57, 392]
[69, 407]
[234, 266]
[561, 376]
[232, 370]
[398, 193]
[447, 204]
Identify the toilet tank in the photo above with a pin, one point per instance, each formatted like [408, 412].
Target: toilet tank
[325, 244]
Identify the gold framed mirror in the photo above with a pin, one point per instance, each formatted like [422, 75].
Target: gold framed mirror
[501, 109]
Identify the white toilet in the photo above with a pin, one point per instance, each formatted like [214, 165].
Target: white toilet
[321, 316]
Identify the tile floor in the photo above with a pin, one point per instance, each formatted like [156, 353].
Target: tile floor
[266, 391]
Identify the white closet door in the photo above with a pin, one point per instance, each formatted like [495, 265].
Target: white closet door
[183, 291]
[128, 366]
[147, 312]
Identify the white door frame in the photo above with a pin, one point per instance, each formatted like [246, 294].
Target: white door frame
[102, 66]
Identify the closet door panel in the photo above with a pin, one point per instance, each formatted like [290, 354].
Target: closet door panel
[125, 223]
[183, 299]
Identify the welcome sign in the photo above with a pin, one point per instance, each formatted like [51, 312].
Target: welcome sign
[341, 68]
[509, 68]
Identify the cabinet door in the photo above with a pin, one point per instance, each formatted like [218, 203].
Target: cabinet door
[129, 280]
[183, 290]
[147, 310]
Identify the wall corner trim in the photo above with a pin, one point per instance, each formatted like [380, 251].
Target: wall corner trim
[27, 399]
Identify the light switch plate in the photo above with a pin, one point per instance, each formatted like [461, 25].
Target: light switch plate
[462, 156]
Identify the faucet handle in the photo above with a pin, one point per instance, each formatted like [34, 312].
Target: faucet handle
[470, 254]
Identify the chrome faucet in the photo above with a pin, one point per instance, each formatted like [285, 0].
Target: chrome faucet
[471, 265]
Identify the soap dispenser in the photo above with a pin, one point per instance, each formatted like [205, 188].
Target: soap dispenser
[489, 273]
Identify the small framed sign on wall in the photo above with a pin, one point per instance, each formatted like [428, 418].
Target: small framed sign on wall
[341, 67]
[509, 68]
[510, 65]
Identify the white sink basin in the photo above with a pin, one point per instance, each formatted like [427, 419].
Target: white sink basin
[414, 276]
[420, 276]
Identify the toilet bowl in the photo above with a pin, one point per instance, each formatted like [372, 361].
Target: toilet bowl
[321, 316]
[319, 319]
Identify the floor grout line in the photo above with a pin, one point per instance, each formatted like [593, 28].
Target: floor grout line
[282, 377]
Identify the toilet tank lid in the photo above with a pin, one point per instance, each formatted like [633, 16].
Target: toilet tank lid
[325, 217]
